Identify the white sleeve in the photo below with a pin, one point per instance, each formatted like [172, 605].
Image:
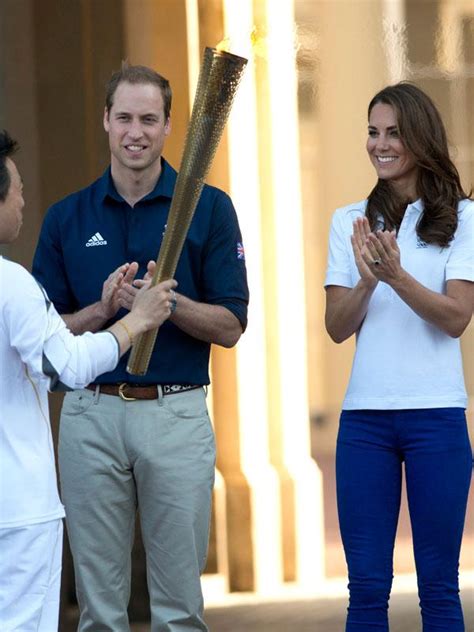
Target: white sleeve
[339, 261]
[460, 264]
[41, 338]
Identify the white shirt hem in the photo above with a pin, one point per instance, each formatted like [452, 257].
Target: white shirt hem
[402, 403]
[24, 522]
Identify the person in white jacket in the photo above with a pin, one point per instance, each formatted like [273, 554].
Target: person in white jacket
[38, 353]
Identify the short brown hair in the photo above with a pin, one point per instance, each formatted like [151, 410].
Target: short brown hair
[136, 75]
[8, 147]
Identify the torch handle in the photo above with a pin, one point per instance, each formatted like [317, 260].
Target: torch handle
[141, 353]
[143, 346]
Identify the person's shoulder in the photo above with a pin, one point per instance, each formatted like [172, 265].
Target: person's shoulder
[213, 194]
[349, 212]
[11, 268]
[21, 296]
[75, 200]
[215, 205]
[14, 275]
[465, 208]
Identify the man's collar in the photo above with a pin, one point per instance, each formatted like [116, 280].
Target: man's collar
[164, 186]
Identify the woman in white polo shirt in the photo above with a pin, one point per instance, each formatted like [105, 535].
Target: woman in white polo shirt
[400, 277]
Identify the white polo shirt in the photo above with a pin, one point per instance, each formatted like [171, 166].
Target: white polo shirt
[402, 361]
[37, 353]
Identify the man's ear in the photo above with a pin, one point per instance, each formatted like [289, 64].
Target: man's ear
[168, 126]
[106, 120]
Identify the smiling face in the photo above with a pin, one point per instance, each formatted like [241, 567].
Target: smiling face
[137, 127]
[389, 155]
[11, 209]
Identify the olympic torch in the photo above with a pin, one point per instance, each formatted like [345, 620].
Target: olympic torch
[219, 78]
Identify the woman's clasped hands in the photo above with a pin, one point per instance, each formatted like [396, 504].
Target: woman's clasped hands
[376, 254]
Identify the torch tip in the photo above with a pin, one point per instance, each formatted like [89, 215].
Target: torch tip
[215, 52]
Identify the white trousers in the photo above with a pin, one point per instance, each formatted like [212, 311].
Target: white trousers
[30, 577]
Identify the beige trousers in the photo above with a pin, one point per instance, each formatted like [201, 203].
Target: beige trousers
[157, 457]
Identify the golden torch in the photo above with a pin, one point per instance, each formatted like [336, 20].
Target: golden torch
[219, 78]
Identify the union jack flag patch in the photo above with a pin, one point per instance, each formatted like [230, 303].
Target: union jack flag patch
[240, 251]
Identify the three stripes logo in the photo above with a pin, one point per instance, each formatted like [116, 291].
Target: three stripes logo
[96, 240]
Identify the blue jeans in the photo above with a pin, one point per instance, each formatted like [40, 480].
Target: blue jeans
[371, 447]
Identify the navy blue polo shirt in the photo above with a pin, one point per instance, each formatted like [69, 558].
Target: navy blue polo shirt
[93, 231]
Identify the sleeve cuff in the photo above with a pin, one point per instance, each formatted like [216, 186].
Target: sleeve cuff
[338, 278]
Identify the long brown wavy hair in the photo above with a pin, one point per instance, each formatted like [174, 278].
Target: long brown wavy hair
[422, 131]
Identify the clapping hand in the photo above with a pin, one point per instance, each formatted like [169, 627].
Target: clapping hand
[129, 287]
[110, 299]
[382, 256]
[359, 247]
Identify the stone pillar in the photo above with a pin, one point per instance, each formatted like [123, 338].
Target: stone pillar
[239, 376]
[284, 293]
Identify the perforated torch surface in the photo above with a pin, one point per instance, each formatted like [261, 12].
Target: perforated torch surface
[219, 78]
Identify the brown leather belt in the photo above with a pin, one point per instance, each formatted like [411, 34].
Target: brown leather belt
[130, 392]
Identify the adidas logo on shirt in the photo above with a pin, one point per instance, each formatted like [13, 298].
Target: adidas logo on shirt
[96, 240]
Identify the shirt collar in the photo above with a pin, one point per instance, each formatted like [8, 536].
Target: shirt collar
[164, 186]
[417, 204]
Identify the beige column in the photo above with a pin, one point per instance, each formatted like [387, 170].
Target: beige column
[240, 406]
[284, 296]
[273, 488]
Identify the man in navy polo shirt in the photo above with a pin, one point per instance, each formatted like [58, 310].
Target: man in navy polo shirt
[129, 442]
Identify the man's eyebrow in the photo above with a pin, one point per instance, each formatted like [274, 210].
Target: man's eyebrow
[126, 113]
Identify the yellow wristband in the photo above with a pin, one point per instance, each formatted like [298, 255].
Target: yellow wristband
[129, 333]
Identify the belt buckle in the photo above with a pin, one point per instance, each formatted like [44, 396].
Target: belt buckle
[122, 394]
